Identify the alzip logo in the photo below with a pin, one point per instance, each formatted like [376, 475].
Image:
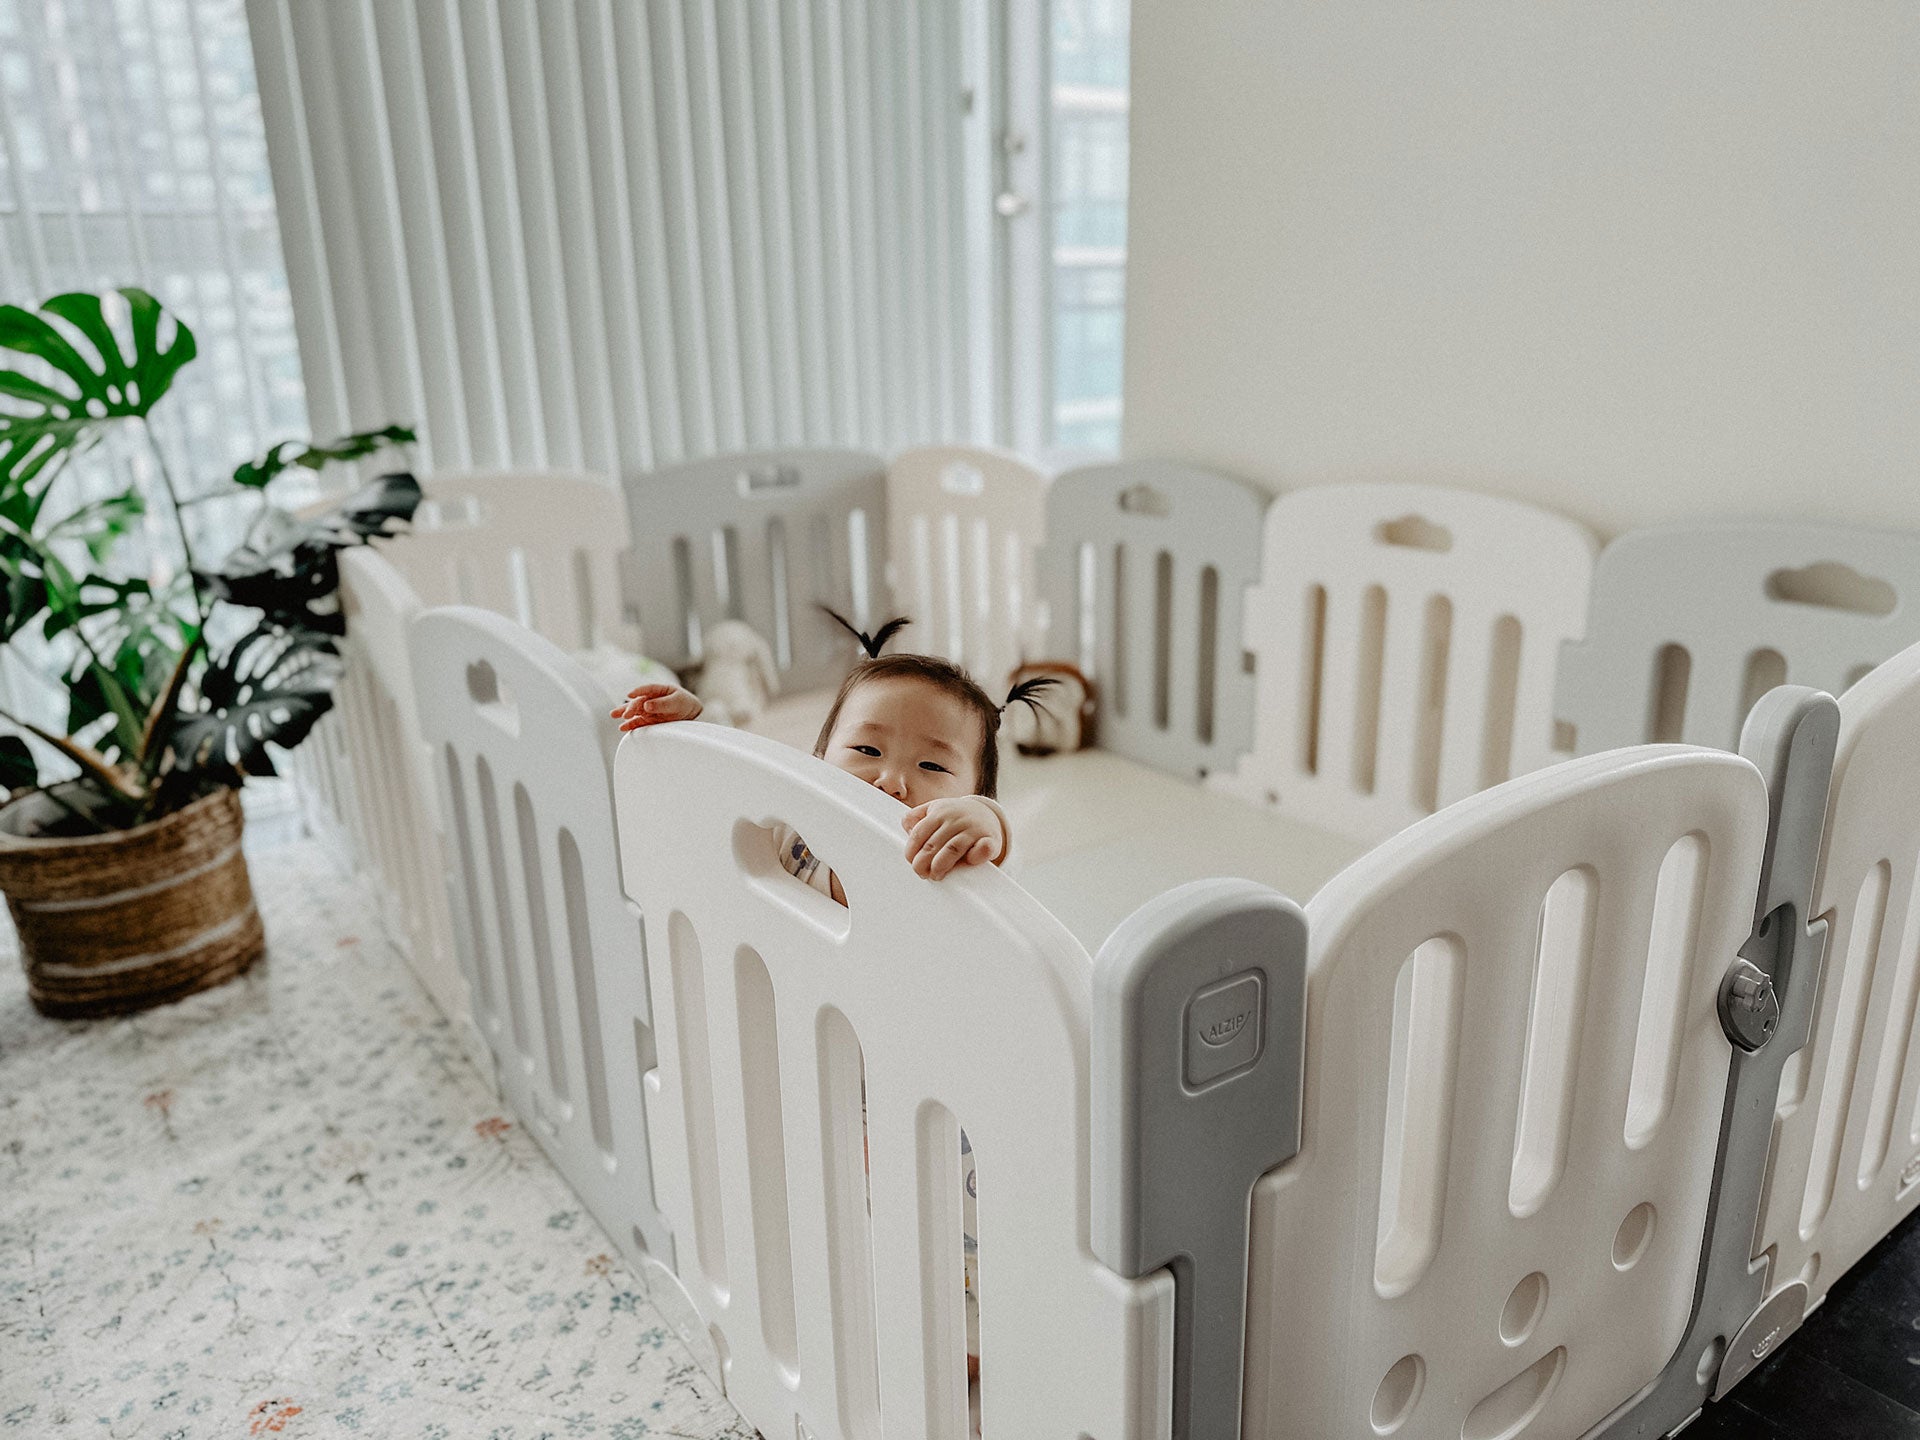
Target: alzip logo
[1223, 1030]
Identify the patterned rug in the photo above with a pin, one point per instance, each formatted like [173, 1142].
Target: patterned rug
[289, 1207]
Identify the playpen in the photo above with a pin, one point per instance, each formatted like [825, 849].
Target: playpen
[1584, 1070]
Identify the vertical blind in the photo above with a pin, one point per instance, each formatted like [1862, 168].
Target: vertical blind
[610, 235]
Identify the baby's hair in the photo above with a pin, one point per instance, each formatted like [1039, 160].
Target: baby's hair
[945, 676]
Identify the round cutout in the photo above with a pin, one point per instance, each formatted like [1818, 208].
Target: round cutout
[1524, 1307]
[1399, 1392]
[1630, 1241]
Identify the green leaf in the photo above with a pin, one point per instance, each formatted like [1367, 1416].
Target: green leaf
[292, 578]
[18, 768]
[270, 688]
[53, 417]
[357, 446]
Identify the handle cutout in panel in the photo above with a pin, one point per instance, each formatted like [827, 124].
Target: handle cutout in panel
[1145, 500]
[1831, 585]
[1414, 532]
[960, 478]
[757, 851]
[492, 698]
[763, 478]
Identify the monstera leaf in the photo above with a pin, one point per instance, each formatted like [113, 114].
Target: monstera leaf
[270, 688]
[292, 574]
[49, 418]
[357, 446]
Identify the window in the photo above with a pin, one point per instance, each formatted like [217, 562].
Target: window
[1089, 221]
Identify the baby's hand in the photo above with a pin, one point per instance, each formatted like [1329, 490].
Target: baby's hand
[654, 704]
[957, 830]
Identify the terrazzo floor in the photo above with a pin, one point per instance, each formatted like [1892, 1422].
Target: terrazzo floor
[290, 1207]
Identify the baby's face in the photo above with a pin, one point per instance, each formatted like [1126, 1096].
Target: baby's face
[909, 738]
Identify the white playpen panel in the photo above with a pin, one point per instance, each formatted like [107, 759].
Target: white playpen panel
[392, 777]
[765, 537]
[1846, 1157]
[542, 546]
[964, 526]
[1406, 638]
[551, 949]
[836, 1293]
[1143, 576]
[1514, 1084]
[1690, 624]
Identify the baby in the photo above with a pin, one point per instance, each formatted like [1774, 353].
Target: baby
[915, 726]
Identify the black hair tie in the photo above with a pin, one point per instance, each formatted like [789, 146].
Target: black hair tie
[1024, 691]
[875, 642]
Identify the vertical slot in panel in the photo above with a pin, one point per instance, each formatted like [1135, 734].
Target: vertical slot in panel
[922, 544]
[586, 993]
[951, 588]
[1667, 716]
[1888, 1080]
[973, 1358]
[1561, 955]
[520, 587]
[1014, 623]
[766, 1157]
[1765, 669]
[859, 568]
[942, 1224]
[1371, 663]
[1672, 948]
[1117, 682]
[684, 592]
[589, 623]
[1209, 642]
[1313, 645]
[982, 584]
[843, 1129]
[726, 571]
[777, 578]
[696, 1092]
[1849, 1028]
[542, 938]
[503, 918]
[1162, 638]
[1086, 614]
[477, 926]
[1503, 694]
[1416, 1138]
[1436, 641]
[465, 587]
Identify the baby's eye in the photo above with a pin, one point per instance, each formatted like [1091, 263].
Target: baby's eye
[866, 750]
[939, 769]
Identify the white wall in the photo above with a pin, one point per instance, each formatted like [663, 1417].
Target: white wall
[1635, 261]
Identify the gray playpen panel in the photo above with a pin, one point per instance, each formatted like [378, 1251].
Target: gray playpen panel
[1143, 574]
[765, 537]
[552, 951]
[1690, 624]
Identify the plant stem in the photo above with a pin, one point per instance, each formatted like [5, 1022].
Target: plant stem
[179, 519]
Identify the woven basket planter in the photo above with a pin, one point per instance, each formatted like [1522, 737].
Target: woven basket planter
[136, 918]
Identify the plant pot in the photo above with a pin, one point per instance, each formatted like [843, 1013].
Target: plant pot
[132, 919]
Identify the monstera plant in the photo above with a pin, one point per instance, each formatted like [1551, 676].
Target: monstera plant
[182, 672]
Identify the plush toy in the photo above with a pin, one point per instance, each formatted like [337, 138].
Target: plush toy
[737, 678]
[1064, 720]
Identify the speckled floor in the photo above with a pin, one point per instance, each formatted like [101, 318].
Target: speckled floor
[289, 1207]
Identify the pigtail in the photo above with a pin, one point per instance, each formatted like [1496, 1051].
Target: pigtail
[872, 644]
[1025, 691]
